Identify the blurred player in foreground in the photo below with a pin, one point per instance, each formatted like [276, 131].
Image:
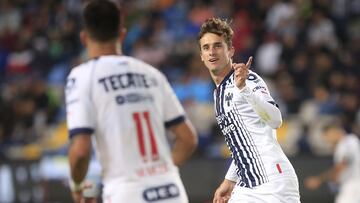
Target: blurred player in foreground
[127, 105]
[248, 117]
[346, 170]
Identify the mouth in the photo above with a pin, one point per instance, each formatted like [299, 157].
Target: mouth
[212, 60]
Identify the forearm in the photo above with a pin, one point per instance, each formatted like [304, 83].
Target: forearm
[79, 157]
[185, 142]
[78, 166]
[181, 152]
[326, 175]
[333, 173]
[267, 111]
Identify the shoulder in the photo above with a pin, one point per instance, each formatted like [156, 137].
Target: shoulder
[81, 70]
[352, 140]
[79, 76]
[256, 83]
[348, 143]
[149, 69]
[254, 77]
[143, 65]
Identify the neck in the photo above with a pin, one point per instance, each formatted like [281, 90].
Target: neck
[97, 49]
[219, 75]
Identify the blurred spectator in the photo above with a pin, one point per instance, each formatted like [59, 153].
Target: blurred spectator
[267, 57]
[321, 31]
[281, 18]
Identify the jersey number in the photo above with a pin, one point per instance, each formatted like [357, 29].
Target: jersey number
[144, 116]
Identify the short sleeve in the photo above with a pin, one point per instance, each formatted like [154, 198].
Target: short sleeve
[79, 110]
[173, 111]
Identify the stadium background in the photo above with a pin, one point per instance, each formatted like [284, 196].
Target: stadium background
[306, 50]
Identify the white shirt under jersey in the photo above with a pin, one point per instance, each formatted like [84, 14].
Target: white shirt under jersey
[348, 150]
[127, 104]
[248, 119]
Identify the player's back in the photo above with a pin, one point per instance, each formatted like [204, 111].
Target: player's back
[131, 103]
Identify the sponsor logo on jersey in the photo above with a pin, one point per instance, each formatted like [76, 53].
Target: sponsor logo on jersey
[220, 118]
[70, 85]
[228, 129]
[228, 98]
[133, 98]
[161, 193]
[253, 77]
[156, 169]
[263, 89]
[127, 80]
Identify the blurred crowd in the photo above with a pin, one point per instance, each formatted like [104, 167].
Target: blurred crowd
[306, 50]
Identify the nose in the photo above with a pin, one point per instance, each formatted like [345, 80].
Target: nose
[212, 51]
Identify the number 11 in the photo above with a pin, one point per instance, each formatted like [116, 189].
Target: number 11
[140, 135]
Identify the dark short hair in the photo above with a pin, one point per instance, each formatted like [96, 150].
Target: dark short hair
[102, 20]
[219, 27]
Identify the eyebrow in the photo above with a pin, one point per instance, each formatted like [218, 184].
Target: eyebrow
[215, 43]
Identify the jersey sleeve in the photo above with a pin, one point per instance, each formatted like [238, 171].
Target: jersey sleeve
[231, 173]
[79, 110]
[173, 111]
[258, 95]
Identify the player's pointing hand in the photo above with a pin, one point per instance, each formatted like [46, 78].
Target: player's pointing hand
[241, 72]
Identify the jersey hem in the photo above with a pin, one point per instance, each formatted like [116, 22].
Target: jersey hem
[174, 121]
[77, 131]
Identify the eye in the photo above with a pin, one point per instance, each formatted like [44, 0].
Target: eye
[218, 45]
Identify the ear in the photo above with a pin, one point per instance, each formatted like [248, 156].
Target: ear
[83, 37]
[201, 56]
[231, 51]
[123, 32]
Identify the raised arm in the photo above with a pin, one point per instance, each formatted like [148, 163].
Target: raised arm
[255, 91]
[267, 110]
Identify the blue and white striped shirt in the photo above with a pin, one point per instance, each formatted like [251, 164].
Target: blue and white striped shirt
[247, 119]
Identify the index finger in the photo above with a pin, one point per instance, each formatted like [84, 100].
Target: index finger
[248, 64]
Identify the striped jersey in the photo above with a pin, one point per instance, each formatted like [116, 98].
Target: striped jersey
[254, 148]
[127, 105]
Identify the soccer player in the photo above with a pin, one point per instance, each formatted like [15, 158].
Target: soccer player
[125, 105]
[248, 117]
[346, 170]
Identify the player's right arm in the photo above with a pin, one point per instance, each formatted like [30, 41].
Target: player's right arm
[223, 192]
[257, 95]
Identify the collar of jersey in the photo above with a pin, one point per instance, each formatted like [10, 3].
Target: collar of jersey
[226, 77]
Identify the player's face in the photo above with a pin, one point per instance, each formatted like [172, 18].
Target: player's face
[215, 53]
